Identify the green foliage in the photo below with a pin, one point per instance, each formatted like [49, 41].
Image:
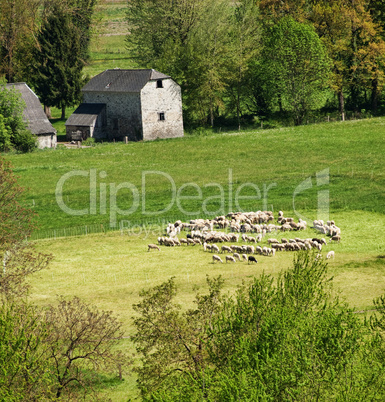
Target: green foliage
[289, 339]
[13, 132]
[90, 141]
[5, 136]
[295, 67]
[24, 367]
[172, 343]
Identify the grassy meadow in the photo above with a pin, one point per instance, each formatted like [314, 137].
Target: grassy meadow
[110, 268]
[128, 192]
[266, 165]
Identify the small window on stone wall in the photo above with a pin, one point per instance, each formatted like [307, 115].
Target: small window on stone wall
[159, 84]
[161, 116]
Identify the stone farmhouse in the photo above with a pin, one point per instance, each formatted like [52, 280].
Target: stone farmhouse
[34, 116]
[133, 104]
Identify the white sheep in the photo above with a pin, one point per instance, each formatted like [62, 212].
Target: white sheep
[153, 247]
[214, 247]
[330, 254]
[236, 255]
[335, 238]
[226, 248]
[230, 258]
[217, 258]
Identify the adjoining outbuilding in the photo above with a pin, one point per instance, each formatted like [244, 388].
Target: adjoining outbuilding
[137, 104]
[34, 116]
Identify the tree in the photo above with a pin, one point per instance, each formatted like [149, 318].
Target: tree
[16, 222]
[13, 129]
[18, 22]
[354, 44]
[289, 338]
[81, 341]
[25, 371]
[245, 46]
[171, 343]
[296, 67]
[208, 53]
[189, 40]
[58, 62]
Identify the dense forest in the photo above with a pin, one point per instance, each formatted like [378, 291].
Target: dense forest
[250, 61]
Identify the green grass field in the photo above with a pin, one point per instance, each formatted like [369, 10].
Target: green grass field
[273, 162]
[110, 268]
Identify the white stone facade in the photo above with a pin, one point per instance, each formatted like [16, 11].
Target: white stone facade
[154, 112]
[47, 141]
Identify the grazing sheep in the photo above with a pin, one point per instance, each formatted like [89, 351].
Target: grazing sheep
[252, 259]
[244, 256]
[285, 227]
[226, 248]
[217, 258]
[236, 255]
[271, 241]
[214, 247]
[230, 258]
[258, 250]
[183, 241]
[153, 247]
[330, 254]
[336, 238]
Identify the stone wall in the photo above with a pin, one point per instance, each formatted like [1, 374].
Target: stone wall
[166, 101]
[47, 141]
[122, 111]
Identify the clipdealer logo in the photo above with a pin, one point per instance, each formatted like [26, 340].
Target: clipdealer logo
[103, 197]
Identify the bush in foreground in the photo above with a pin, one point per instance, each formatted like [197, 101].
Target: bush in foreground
[286, 339]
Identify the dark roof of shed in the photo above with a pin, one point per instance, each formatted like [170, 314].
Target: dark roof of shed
[33, 112]
[118, 80]
[85, 114]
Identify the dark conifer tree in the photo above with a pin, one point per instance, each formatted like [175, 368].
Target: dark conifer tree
[58, 65]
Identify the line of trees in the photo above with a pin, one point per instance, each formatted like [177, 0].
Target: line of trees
[264, 57]
[235, 61]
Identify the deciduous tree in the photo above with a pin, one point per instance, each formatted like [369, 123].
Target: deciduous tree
[18, 25]
[81, 342]
[296, 66]
[25, 371]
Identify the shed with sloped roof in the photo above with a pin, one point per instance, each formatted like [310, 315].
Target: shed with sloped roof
[138, 104]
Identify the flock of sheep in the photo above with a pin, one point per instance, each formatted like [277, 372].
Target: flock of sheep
[241, 226]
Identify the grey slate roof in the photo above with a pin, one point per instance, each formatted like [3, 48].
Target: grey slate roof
[118, 80]
[85, 115]
[33, 112]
